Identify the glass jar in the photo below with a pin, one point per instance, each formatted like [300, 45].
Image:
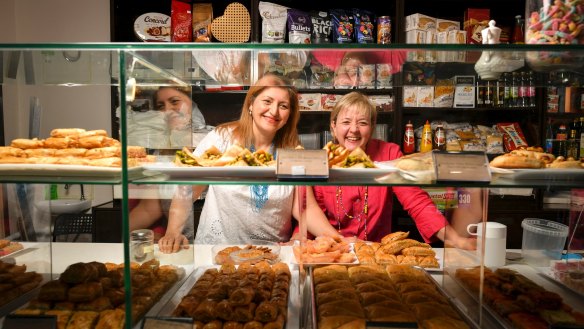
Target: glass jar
[141, 245]
[554, 22]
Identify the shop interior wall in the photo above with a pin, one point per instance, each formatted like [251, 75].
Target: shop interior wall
[56, 21]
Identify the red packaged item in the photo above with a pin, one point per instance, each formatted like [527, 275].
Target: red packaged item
[475, 20]
[181, 18]
[513, 137]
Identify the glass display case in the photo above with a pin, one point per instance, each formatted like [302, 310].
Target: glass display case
[84, 124]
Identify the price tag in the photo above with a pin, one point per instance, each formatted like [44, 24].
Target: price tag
[13, 321]
[302, 165]
[462, 167]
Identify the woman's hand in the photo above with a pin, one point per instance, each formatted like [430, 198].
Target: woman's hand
[171, 243]
[452, 239]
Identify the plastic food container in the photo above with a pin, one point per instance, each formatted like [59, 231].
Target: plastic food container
[554, 22]
[543, 241]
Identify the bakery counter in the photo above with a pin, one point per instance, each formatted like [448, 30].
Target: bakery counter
[197, 258]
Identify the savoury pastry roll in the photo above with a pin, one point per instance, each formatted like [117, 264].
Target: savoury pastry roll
[60, 142]
[111, 319]
[43, 152]
[43, 160]
[342, 293]
[9, 151]
[106, 162]
[10, 159]
[82, 320]
[78, 273]
[66, 132]
[102, 152]
[332, 285]
[99, 304]
[341, 307]
[24, 143]
[378, 314]
[89, 133]
[92, 142]
[369, 298]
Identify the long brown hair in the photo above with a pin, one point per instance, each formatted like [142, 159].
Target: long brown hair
[287, 136]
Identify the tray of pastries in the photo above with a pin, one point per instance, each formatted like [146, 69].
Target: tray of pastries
[516, 301]
[253, 252]
[360, 296]
[92, 295]
[69, 152]
[395, 248]
[324, 250]
[239, 296]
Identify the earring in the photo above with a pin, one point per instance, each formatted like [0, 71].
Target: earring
[250, 110]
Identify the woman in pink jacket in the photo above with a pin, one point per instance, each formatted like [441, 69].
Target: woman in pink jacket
[365, 212]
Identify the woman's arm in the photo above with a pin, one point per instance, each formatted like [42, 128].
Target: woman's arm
[146, 213]
[181, 205]
[316, 221]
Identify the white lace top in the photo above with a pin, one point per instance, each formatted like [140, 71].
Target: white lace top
[230, 214]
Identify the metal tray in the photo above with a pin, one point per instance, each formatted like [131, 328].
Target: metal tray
[371, 324]
[292, 321]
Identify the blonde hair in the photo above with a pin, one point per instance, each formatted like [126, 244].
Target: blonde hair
[358, 102]
[287, 136]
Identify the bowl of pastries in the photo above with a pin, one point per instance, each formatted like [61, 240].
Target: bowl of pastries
[252, 252]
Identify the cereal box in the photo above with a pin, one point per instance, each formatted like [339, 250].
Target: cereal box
[383, 103]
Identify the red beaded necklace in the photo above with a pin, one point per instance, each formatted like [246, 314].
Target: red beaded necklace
[361, 217]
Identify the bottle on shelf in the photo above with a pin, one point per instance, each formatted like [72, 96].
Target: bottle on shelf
[518, 35]
[439, 138]
[561, 141]
[549, 137]
[488, 93]
[480, 92]
[507, 89]
[514, 101]
[409, 139]
[426, 143]
[574, 139]
[500, 91]
[523, 96]
[531, 89]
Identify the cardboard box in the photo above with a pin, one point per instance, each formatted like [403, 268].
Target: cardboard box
[464, 91]
[410, 98]
[444, 25]
[309, 102]
[420, 22]
[475, 20]
[425, 96]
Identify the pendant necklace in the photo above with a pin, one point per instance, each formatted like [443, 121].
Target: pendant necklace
[259, 193]
[361, 217]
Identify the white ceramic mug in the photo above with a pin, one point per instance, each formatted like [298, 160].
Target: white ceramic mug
[495, 242]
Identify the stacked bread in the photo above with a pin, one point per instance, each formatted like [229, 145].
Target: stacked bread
[355, 296]
[16, 281]
[396, 248]
[72, 146]
[249, 296]
[92, 295]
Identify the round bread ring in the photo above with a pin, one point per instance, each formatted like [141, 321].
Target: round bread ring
[509, 161]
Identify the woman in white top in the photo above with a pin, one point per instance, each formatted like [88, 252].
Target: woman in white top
[238, 213]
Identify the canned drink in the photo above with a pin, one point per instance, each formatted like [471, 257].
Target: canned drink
[383, 30]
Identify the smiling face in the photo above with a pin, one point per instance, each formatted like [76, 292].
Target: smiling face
[270, 111]
[353, 121]
[176, 105]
